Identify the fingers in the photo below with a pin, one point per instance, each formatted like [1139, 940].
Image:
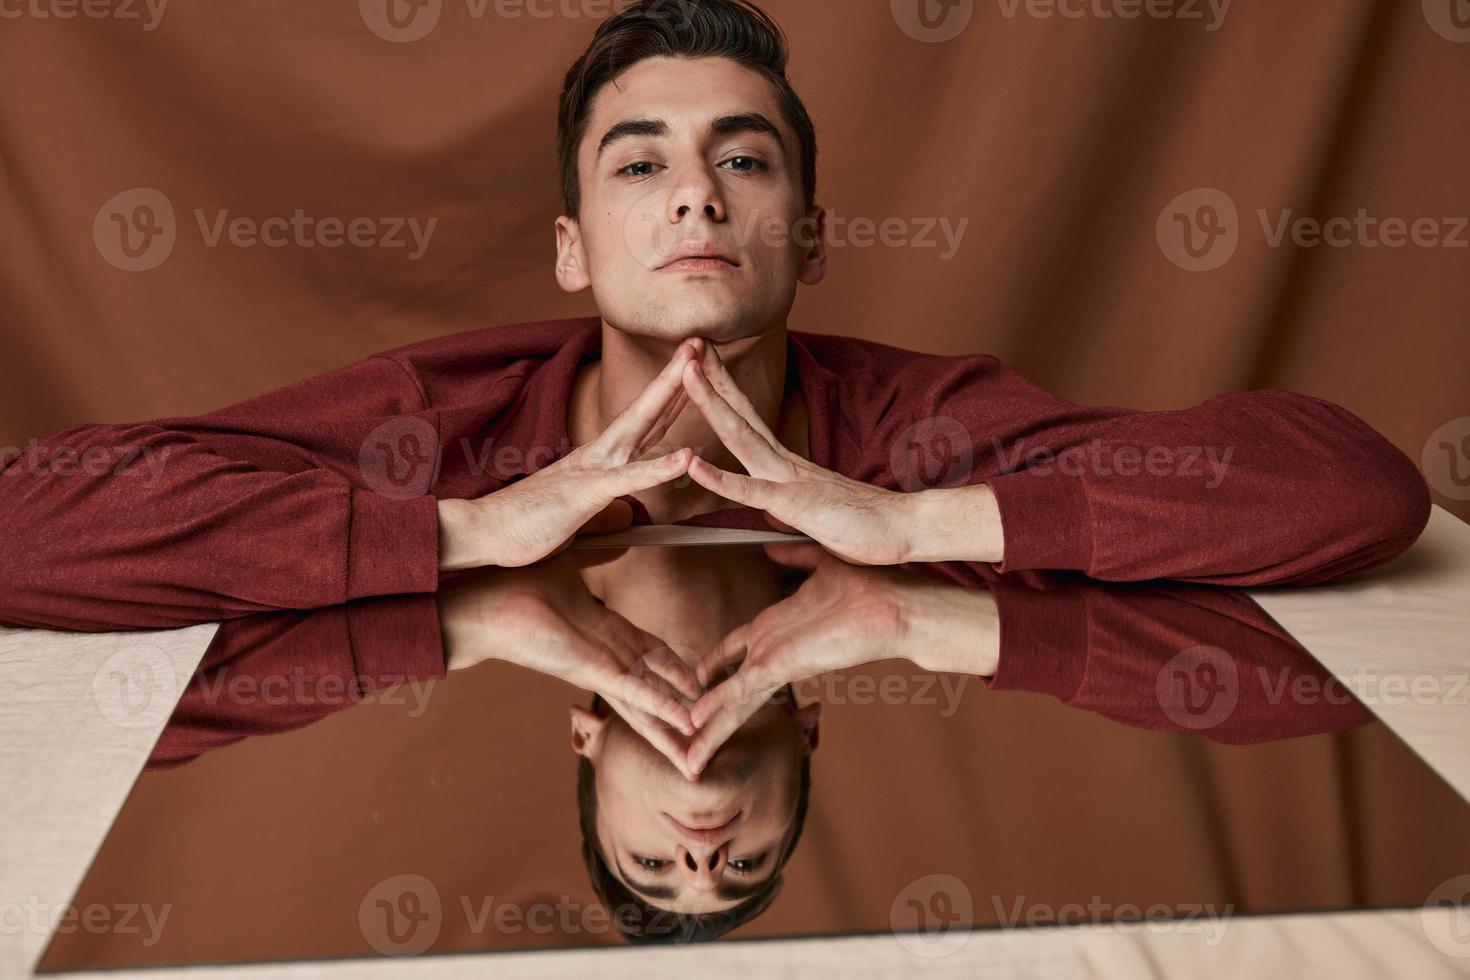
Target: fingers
[801, 555]
[745, 688]
[666, 664]
[633, 477]
[754, 450]
[729, 651]
[661, 427]
[722, 381]
[657, 700]
[629, 430]
[657, 734]
[747, 490]
[718, 731]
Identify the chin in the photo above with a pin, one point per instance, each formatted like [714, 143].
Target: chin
[721, 323]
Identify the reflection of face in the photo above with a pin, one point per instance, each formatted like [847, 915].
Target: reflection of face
[701, 846]
[699, 153]
[694, 846]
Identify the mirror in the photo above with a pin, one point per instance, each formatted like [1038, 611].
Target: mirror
[1157, 756]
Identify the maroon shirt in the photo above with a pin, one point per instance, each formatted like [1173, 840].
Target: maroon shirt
[324, 491]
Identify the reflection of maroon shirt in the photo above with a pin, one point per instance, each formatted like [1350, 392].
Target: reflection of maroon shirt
[1168, 658]
[1115, 650]
[324, 491]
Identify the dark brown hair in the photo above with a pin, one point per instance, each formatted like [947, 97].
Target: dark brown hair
[733, 29]
[638, 921]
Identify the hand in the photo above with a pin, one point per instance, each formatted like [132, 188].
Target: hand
[860, 522]
[842, 616]
[544, 618]
[538, 516]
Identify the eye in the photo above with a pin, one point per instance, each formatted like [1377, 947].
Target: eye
[744, 866]
[748, 165]
[643, 168]
[652, 864]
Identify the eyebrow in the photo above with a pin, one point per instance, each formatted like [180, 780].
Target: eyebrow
[725, 891]
[728, 125]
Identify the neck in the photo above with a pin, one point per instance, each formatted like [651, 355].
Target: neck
[629, 363]
[688, 597]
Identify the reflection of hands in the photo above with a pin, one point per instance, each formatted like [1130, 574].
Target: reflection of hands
[842, 616]
[543, 617]
[537, 516]
[858, 521]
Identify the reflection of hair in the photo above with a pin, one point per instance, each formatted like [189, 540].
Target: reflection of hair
[640, 922]
[733, 29]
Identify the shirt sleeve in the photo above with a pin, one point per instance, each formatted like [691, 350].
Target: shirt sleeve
[276, 672]
[275, 503]
[1251, 488]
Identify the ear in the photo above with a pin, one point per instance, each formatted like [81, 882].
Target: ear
[587, 729]
[571, 257]
[806, 723]
[813, 240]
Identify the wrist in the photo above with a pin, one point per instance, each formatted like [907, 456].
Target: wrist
[458, 630]
[956, 630]
[954, 524]
[462, 536]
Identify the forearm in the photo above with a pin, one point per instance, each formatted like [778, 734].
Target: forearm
[954, 524]
[952, 630]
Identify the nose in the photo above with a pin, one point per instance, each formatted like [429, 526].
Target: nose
[695, 191]
[702, 867]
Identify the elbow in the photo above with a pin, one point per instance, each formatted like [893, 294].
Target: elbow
[1406, 505]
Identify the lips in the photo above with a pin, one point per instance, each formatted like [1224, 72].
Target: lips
[693, 255]
[706, 831]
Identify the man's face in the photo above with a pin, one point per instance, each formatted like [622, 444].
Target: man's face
[692, 217]
[697, 847]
